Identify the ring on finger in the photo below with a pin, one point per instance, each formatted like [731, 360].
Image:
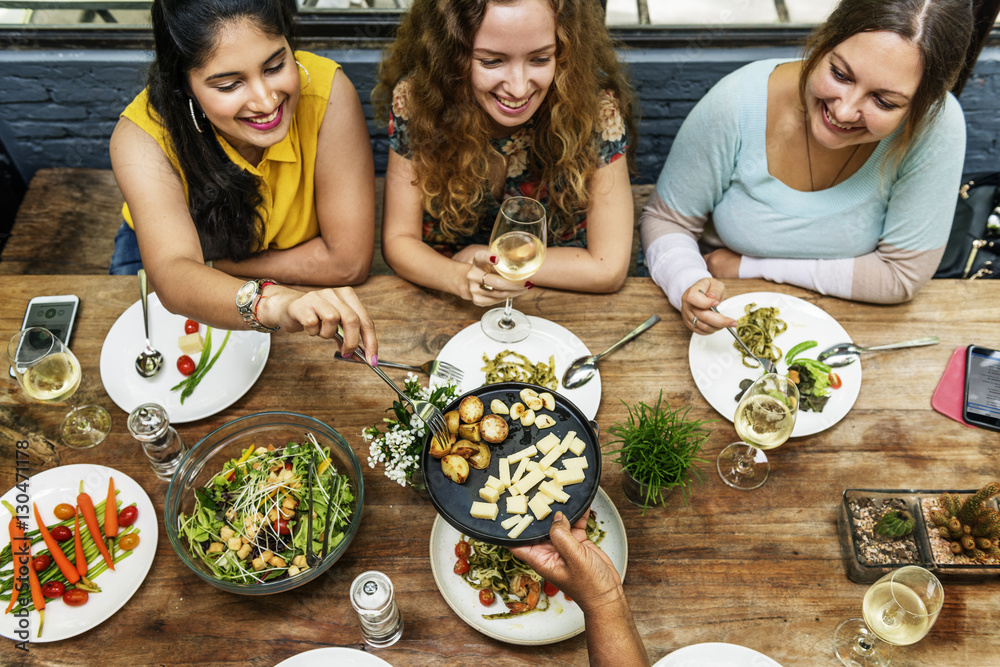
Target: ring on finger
[694, 321]
[482, 283]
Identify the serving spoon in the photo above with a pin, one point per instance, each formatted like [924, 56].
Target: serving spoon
[846, 353]
[149, 361]
[581, 370]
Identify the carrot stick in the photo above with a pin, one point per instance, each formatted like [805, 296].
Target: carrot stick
[111, 518]
[81, 558]
[16, 529]
[36, 593]
[67, 569]
[90, 516]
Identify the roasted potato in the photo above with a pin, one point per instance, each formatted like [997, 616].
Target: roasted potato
[548, 400]
[498, 407]
[470, 409]
[481, 459]
[451, 419]
[441, 449]
[465, 449]
[455, 468]
[528, 418]
[469, 432]
[534, 403]
[517, 410]
[527, 393]
[493, 428]
[544, 421]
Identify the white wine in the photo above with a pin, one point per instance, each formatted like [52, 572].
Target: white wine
[763, 421]
[901, 620]
[519, 255]
[53, 379]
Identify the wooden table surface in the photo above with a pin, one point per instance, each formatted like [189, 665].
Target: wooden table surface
[762, 569]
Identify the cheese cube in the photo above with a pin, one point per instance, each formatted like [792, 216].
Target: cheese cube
[532, 465]
[539, 507]
[484, 510]
[577, 446]
[568, 438]
[510, 522]
[553, 491]
[519, 528]
[542, 498]
[504, 473]
[550, 458]
[521, 467]
[528, 481]
[564, 446]
[517, 504]
[547, 443]
[489, 494]
[578, 462]
[190, 343]
[527, 452]
[495, 483]
[570, 476]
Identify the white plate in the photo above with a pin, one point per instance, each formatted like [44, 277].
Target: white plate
[236, 370]
[467, 347]
[62, 485]
[717, 366]
[560, 621]
[340, 656]
[716, 655]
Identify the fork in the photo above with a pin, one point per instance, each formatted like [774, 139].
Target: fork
[767, 364]
[426, 410]
[432, 367]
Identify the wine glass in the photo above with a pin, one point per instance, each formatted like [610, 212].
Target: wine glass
[50, 373]
[764, 420]
[899, 609]
[518, 241]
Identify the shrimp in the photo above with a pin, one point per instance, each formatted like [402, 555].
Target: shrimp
[528, 590]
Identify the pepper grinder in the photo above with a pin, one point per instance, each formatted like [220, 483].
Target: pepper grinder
[150, 425]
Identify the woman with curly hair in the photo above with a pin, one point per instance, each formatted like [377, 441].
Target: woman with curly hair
[490, 99]
[230, 164]
[836, 173]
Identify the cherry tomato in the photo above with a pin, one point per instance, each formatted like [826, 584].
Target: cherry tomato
[185, 365]
[835, 381]
[53, 589]
[461, 566]
[127, 516]
[41, 563]
[462, 549]
[550, 589]
[568, 598]
[64, 511]
[75, 597]
[128, 542]
[281, 525]
[191, 327]
[487, 597]
[62, 533]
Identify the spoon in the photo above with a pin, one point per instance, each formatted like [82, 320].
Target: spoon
[846, 353]
[149, 361]
[581, 370]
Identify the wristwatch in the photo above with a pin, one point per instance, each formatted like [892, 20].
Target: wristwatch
[248, 297]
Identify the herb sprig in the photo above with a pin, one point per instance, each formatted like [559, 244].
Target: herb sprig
[204, 365]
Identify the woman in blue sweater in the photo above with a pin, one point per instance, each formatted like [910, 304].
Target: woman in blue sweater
[836, 173]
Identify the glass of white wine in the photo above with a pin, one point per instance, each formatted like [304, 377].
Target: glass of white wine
[50, 373]
[764, 419]
[899, 609]
[518, 241]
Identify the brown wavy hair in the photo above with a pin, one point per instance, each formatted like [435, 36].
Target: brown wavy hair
[940, 29]
[448, 132]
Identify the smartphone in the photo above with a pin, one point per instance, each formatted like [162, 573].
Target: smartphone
[982, 387]
[55, 313]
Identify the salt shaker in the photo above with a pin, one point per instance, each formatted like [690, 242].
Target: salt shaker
[149, 425]
[371, 595]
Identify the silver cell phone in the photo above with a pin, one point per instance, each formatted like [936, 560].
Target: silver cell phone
[55, 313]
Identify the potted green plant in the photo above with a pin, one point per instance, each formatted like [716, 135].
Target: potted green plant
[659, 448]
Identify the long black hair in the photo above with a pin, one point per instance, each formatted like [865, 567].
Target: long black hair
[222, 198]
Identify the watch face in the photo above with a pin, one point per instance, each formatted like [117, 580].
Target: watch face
[245, 295]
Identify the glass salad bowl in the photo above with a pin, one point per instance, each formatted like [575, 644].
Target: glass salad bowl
[222, 494]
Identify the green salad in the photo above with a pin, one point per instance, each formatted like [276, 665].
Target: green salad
[249, 523]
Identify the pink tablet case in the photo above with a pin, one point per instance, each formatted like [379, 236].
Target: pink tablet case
[949, 397]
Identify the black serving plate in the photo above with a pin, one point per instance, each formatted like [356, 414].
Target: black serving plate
[453, 501]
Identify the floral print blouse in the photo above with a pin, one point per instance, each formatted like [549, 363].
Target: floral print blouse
[611, 141]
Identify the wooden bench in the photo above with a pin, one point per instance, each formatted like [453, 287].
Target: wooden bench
[67, 223]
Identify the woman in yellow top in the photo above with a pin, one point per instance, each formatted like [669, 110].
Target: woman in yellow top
[232, 162]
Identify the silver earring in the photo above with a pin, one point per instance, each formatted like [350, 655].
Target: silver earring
[194, 119]
[308, 78]
[274, 96]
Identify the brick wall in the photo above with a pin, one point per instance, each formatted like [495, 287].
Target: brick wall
[61, 106]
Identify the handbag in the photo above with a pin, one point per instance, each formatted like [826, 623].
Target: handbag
[973, 249]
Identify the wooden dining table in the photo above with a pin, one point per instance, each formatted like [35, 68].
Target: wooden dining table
[762, 569]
